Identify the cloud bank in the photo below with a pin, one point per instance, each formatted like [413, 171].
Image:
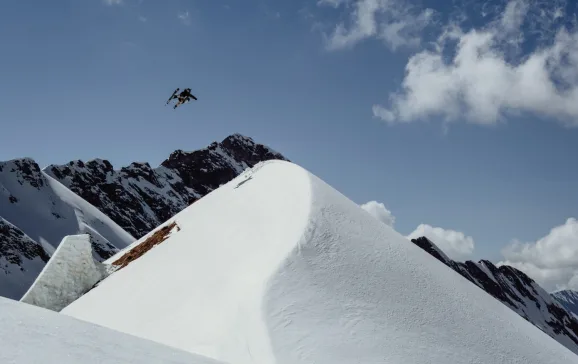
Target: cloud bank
[552, 261]
[454, 244]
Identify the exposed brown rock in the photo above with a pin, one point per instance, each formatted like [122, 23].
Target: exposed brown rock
[138, 251]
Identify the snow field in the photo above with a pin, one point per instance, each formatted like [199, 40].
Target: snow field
[282, 268]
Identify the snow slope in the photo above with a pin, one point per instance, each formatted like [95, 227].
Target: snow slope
[32, 335]
[71, 272]
[569, 299]
[278, 267]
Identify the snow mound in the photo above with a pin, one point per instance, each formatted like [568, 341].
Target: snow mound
[278, 267]
[35, 335]
[70, 272]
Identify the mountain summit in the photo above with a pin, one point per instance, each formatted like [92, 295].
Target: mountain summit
[276, 266]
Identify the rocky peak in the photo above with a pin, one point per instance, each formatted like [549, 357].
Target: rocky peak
[138, 170]
[516, 290]
[26, 171]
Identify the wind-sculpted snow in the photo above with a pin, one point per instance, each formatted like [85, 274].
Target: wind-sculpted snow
[278, 267]
[32, 335]
[517, 291]
[21, 259]
[139, 198]
[71, 272]
[45, 211]
[568, 299]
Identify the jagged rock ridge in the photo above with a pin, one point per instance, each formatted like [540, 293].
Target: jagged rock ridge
[517, 291]
[139, 198]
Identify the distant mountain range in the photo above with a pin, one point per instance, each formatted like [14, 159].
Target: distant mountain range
[139, 198]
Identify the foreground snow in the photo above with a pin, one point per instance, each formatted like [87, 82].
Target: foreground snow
[278, 267]
[33, 335]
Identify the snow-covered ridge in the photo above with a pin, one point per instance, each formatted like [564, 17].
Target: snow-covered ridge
[41, 212]
[518, 292]
[278, 267]
[139, 197]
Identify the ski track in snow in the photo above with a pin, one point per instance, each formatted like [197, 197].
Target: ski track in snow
[285, 269]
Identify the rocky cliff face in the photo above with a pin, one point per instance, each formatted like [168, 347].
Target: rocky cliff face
[569, 299]
[517, 291]
[21, 260]
[139, 197]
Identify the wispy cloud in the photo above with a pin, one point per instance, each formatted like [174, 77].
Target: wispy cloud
[394, 22]
[184, 17]
[113, 2]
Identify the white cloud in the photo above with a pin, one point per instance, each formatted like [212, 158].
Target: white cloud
[454, 244]
[486, 78]
[392, 21]
[113, 2]
[552, 261]
[380, 212]
[184, 17]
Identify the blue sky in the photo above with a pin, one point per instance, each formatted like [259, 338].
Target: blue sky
[480, 142]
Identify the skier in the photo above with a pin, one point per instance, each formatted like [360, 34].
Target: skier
[184, 97]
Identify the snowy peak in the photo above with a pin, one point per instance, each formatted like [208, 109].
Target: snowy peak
[517, 291]
[569, 299]
[276, 266]
[139, 198]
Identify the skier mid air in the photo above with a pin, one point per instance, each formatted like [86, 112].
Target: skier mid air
[184, 97]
